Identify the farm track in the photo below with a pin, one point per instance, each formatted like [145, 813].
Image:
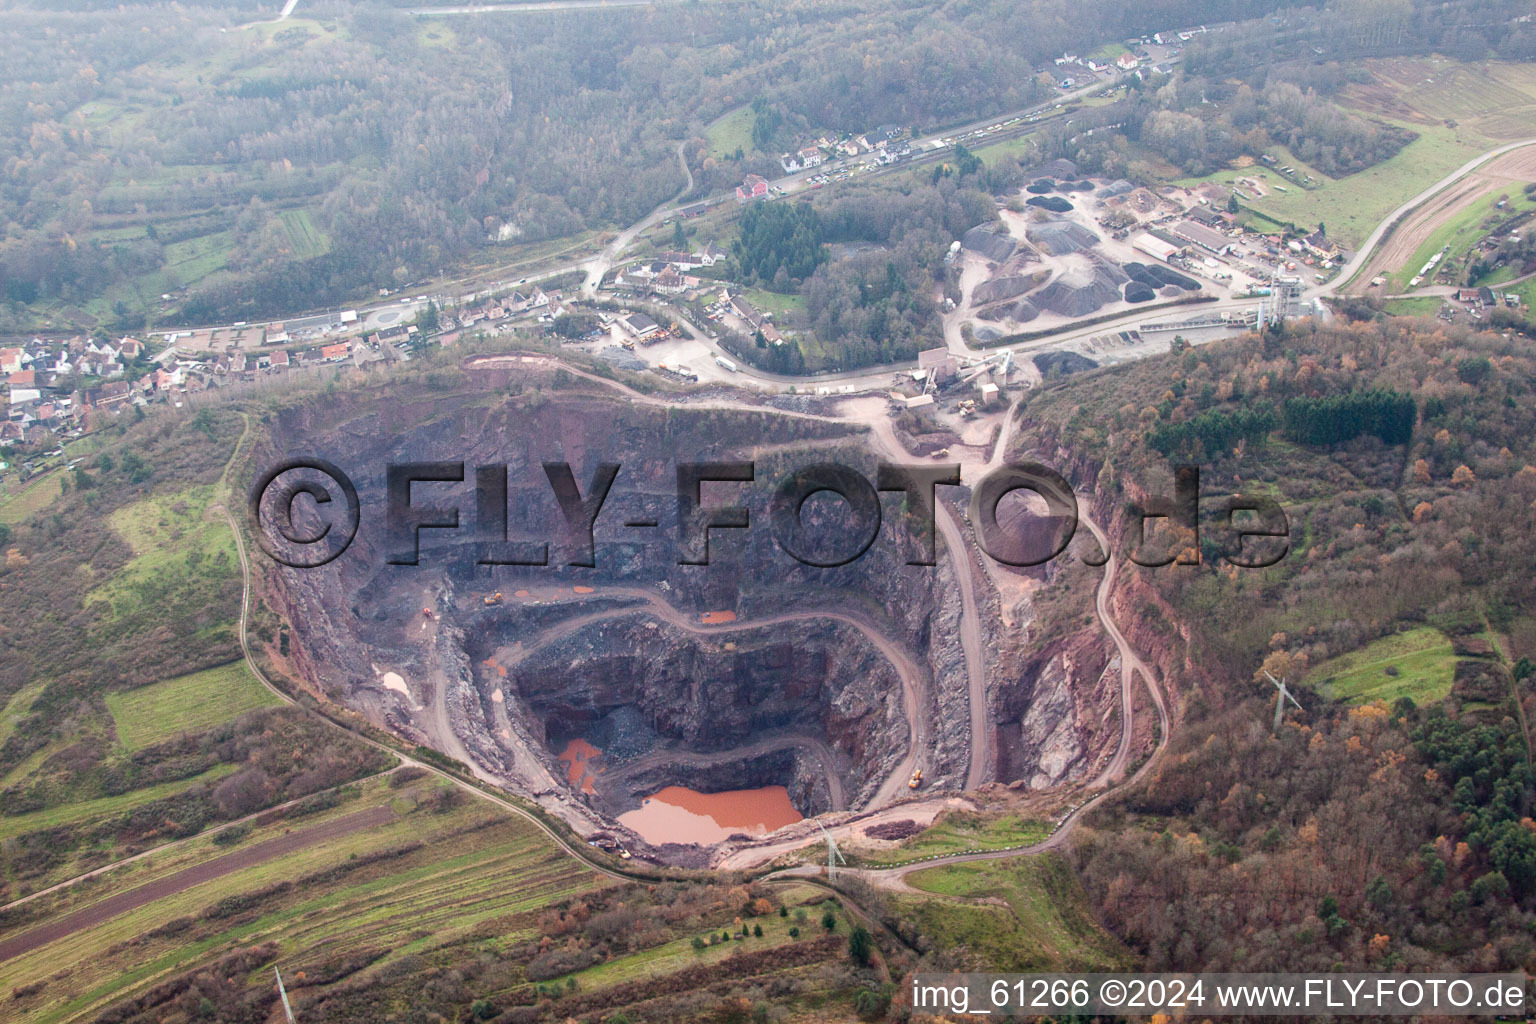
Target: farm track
[893, 877]
[132, 899]
[1502, 174]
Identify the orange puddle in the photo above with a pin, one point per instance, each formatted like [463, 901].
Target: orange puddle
[579, 756]
[717, 618]
[681, 815]
[583, 590]
[521, 593]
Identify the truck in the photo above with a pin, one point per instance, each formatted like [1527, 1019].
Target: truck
[727, 363]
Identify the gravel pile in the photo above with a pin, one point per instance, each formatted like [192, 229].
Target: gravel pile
[990, 241]
[1061, 237]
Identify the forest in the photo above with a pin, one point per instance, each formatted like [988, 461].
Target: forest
[872, 304]
[157, 150]
[1368, 834]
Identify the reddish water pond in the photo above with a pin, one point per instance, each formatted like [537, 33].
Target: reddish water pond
[681, 815]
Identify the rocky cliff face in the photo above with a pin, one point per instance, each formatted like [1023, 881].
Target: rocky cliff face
[809, 702]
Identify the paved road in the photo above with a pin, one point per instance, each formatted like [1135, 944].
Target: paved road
[496, 279]
[1372, 240]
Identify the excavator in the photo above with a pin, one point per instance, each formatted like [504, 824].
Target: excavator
[916, 780]
[493, 599]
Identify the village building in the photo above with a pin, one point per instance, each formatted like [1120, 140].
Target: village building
[753, 186]
[1202, 236]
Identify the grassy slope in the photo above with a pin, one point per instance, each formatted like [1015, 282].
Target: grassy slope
[1352, 206]
[187, 704]
[1423, 658]
[171, 536]
[1045, 923]
[679, 953]
[965, 833]
[730, 132]
[462, 877]
[22, 501]
[102, 807]
[1426, 306]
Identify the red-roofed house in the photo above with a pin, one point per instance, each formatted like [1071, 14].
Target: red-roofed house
[754, 186]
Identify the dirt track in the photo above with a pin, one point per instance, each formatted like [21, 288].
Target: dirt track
[1502, 174]
[914, 682]
[837, 793]
[170, 885]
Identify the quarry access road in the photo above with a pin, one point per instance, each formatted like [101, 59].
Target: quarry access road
[874, 419]
[894, 879]
[243, 635]
[914, 682]
[971, 643]
[837, 794]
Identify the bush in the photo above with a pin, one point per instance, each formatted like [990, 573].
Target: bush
[860, 945]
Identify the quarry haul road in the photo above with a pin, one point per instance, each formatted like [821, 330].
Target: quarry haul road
[555, 836]
[879, 426]
[915, 692]
[1113, 776]
[836, 793]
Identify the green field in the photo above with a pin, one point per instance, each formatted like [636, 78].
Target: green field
[1423, 659]
[23, 501]
[188, 262]
[188, 704]
[780, 306]
[1495, 98]
[1353, 206]
[101, 807]
[1045, 925]
[1458, 235]
[731, 132]
[1527, 292]
[308, 240]
[1427, 306]
[965, 832]
[478, 872]
[679, 953]
[175, 540]
[1019, 145]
